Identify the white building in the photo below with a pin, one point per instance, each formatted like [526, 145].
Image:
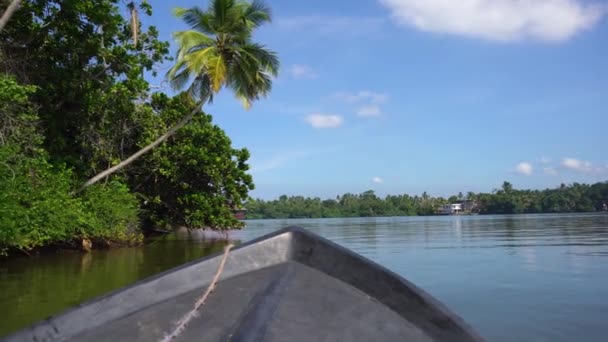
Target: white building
[451, 209]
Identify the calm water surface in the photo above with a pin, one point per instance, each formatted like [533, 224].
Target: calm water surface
[514, 278]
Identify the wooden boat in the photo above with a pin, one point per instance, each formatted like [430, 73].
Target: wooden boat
[291, 285]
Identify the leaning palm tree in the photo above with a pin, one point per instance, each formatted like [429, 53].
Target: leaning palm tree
[216, 52]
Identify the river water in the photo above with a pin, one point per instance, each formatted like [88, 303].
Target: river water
[513, 278]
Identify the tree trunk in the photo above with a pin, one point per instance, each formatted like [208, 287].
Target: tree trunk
[141, 152]
[8, 13]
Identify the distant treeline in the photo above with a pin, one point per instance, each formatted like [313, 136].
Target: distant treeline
[565, 199]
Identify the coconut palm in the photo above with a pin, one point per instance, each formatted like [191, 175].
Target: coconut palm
[216, 52]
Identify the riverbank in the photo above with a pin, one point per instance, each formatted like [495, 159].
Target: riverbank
[74, 245]
[135, 239]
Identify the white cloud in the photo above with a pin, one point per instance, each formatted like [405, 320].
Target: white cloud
[377, 180]
[577, 165]
[361, 96]
[324, 120]
[369, 111]
[301, 71]
[524, 168]
[368, 101]
[498, 20]
[551, 171]
[545, 160]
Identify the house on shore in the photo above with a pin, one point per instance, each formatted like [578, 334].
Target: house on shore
[458, 208]
[451, 209]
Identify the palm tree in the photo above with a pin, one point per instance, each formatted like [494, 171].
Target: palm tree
[216, 52]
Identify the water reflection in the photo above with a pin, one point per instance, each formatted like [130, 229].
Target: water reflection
[33, 288]
[457, 225]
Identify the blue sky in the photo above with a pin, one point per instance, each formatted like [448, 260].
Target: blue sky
[406, 96]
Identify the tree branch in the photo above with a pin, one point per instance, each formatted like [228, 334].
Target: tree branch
[141, 152]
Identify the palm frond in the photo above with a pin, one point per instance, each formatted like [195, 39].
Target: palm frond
[175, 69]
[191, 40]
[216, 70]
[239, 83]
[264, 83]
[200, 89]
[257, 13]
[248, 81]
[198, 61]
[243, 67]
[179, 11]
[221, 10]
[196, 19]
[267, 59]
[180, 79]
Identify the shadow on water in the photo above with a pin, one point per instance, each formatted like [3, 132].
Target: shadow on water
[36, 287]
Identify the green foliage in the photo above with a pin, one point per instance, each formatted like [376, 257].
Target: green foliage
[35, 208]
[38, 209]
[574, 198]
[196, 178]
[565, 199]
[113, 213]
[74, 100]
[36, 204]
[18, 117]
[89, 76]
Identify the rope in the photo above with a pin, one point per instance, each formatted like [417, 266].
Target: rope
[183, 322]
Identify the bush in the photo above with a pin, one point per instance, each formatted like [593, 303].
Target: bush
[196, 178]
[114, 213]
[37, 208]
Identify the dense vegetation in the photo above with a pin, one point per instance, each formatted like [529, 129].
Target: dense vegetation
[565, 199]
[75, 101]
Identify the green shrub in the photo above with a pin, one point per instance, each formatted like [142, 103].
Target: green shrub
[197, 177]
[38, 209]
[35, 205]
[114, 213]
